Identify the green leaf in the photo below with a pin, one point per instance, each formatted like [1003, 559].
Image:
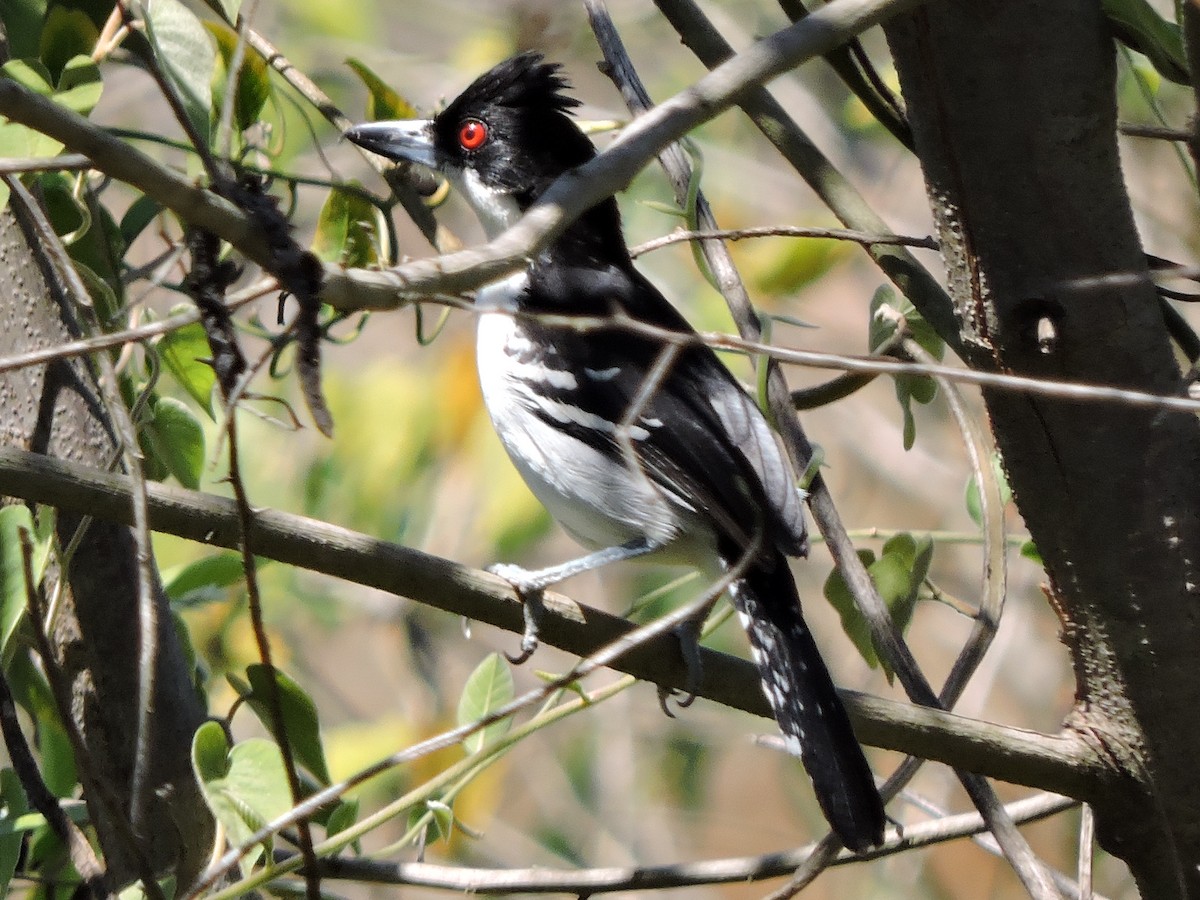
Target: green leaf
[138, 217]
[66, 33]
[177, 439]
[79, 85]
[210, 752]
[1030, 551]
[346, 231]
[79, 90]
[443, 817]
[383, 102]
[837, 592]
[488, 688]
[93, 240]
[254, 79]
[58, 757]
[245, 787]
[184, 351]
[888, 312]
[186, 53]
[898, 574]
[23, 23]
[343, 816]
[204, 580]
[15, 805]
[299, 717]
[972, 498]
[13, 591]
[1137, 24]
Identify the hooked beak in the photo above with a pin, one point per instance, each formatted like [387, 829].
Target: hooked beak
[410, 140]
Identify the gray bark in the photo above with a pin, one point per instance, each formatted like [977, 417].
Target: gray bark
[1013, 110]
[56, 410]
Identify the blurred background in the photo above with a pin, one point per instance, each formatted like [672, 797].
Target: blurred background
[414, 460]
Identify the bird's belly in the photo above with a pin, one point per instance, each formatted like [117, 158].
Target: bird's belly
[597, 497]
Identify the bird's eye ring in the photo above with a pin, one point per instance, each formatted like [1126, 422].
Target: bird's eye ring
[472, 134]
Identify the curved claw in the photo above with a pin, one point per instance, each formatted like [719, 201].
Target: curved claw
[683, 699]
[531, 607]
[517, 659]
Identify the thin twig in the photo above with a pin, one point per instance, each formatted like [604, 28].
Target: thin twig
[817, 170]
[733, 870]
[1087, 837]
[82, 347]
[993, 579]
[1155, 132]
[68, 162]
[405, 181]
[738, 234]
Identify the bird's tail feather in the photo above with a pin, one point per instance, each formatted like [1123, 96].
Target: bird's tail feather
[810, 715]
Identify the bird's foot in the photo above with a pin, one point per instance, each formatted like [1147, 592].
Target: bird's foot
[529, 588]
[688, 634]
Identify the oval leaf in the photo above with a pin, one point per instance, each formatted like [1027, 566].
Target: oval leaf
[299, 717]
[177, 439]
[489, 687]
[185, 352]
[186, 53]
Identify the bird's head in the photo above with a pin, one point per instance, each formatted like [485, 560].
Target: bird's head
[501, 142]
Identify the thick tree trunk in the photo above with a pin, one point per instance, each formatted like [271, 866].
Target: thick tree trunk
[56, 410]
[1013, 110]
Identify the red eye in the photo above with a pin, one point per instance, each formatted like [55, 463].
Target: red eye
[472, 134]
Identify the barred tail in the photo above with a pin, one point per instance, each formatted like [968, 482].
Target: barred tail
[810, 715]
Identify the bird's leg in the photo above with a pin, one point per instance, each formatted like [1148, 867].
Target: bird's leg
[529, 584]
[687, 633]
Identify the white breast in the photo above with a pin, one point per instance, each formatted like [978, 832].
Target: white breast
[599, 499]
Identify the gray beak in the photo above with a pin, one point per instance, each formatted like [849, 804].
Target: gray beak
[410, 140]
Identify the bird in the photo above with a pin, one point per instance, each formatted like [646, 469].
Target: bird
[638, 446]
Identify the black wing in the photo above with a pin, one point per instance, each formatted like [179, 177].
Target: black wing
[699, 435]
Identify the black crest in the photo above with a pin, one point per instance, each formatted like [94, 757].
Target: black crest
[532, 138]
[523, 82]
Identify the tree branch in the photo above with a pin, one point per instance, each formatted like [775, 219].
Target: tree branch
[1063, 763]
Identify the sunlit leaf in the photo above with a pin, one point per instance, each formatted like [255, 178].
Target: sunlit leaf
[898, 574]
[488, 688]
[299, 717]
[185, 51]
[13, 591]
[890, 311]
[245, 787]
[254, 77]
[383, 101]
[346, 230]
[204, 580]
[185, 352]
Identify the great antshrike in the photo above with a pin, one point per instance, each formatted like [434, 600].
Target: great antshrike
[695, 476]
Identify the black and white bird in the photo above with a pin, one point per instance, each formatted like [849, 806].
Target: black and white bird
[696, 476]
